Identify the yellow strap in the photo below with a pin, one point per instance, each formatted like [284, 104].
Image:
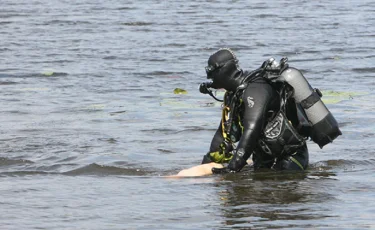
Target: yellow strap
[240, 124]
[224, 118]
[220, 157]
[296, 162]
[225, 115]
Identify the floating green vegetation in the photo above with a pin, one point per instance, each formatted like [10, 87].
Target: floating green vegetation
[179, 91]
[342, 94]
[48, 73]
[333, 97]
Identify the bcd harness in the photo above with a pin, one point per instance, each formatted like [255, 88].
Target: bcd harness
[279, 137]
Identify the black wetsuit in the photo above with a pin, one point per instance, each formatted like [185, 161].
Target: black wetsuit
[260, 101]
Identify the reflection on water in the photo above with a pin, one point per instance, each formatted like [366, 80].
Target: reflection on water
[90, 123]
[266, 198]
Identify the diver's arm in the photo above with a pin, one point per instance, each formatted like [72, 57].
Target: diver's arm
[256, 100]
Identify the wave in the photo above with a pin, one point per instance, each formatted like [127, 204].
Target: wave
[35, 75]
[88, 170]
[7, 82]
[103, 170]
[27, 167]
[364, 70]
[137, 23]
[342, 165]
[21, 167]
[24, 173]
[7, 162]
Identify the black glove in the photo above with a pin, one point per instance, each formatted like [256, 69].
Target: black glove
[237, 162]
[203, 88]
[221, 170]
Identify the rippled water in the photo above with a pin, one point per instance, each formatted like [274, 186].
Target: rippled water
[90, 124]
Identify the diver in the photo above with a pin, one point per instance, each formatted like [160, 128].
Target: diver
[267, 114]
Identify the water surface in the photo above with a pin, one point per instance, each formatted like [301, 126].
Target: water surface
[90, 125]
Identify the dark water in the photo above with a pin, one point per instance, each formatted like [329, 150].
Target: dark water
[90, 124]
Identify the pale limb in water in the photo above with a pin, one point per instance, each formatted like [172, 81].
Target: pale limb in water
[198, 170]
[201, 170]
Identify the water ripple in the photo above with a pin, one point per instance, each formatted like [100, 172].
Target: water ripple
[88, 111]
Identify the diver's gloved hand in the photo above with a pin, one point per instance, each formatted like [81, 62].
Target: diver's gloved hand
[237, 162]
[203, 88]
[222, 170]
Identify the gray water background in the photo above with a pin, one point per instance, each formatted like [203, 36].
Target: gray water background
[89, 124]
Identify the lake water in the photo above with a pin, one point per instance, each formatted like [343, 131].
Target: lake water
[90, 126]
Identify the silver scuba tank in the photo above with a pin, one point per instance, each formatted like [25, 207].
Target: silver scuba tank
[324, 127]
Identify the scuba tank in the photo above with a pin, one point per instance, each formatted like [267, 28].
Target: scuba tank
[310, 108]
[324, 127]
